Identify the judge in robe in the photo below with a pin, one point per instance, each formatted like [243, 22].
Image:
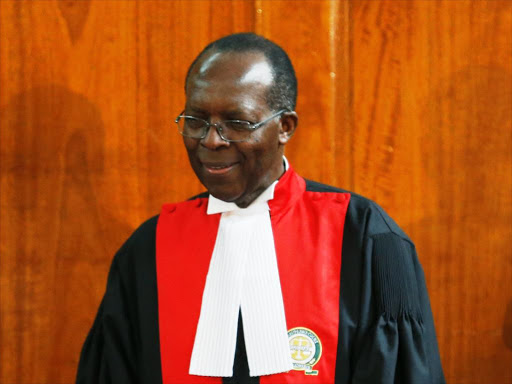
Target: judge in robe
[266, 277]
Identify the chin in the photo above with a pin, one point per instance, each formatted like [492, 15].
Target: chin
[228, 197]
[223, 194]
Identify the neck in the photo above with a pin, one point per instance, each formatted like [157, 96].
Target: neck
[246, 200]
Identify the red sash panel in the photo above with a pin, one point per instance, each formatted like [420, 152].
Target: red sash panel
[308, 240]
[185, 238]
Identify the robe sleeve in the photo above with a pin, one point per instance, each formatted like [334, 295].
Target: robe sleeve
[398, 345]
[109, 352]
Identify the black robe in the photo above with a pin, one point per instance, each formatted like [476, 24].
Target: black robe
[386, 330]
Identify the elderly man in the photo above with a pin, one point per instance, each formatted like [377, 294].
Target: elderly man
[267, 277]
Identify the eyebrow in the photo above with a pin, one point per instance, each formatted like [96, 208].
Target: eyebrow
[235, 112]
[195, 109]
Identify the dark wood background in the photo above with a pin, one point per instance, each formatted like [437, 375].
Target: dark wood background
[406, 102]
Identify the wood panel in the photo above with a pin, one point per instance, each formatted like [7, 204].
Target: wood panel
[316, 40]
[88, 151]
[406, 102]
[432, 143]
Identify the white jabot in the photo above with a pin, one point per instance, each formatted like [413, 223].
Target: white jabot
[243, 276]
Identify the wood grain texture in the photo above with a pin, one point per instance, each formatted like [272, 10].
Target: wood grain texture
[406, 102]
[318, 52]
[432, 143]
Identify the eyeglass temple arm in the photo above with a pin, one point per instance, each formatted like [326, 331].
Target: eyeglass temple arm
[257, 125]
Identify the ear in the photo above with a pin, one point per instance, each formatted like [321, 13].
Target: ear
[289, 121]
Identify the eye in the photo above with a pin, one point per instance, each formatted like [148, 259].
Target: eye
[237, 125]
[193, 122]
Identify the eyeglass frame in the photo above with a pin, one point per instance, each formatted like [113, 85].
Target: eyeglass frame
[251, 127]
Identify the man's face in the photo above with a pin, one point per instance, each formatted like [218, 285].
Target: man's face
[233, 86]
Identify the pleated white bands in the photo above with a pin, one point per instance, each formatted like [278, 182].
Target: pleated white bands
[243, 274]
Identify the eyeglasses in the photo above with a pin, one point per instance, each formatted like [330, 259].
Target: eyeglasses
[229, 130]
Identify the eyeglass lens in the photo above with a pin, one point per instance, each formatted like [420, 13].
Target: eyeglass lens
[231, 130]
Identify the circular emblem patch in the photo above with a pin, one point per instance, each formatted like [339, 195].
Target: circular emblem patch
[306, 349]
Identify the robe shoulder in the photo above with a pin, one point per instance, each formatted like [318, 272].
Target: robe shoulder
[387, 333]
[369, 217]
[142, 238]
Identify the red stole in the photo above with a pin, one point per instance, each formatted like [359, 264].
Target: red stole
[308, 233]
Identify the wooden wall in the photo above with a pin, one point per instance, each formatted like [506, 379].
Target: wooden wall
[406, 102]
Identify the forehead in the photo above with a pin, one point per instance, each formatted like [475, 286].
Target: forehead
[230, 80]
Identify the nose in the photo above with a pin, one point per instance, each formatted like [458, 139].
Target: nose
[212, 140]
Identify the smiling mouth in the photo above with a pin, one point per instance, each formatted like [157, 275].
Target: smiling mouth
[218, 169]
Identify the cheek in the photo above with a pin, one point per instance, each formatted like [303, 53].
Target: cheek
[265, 142]
[258, 158]
[190, 147]
[189, 143]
